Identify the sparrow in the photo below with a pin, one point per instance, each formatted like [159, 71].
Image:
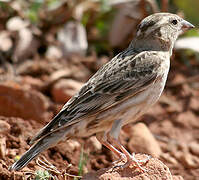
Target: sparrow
[118, 93]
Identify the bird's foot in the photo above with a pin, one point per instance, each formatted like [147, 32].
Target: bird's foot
[138, 163]
[132, 161]
[122, 158]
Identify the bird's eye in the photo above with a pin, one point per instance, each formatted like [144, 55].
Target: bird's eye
[174, 22]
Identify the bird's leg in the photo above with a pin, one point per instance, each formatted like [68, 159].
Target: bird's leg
[102, 138]
[113, 137]
[130, 158]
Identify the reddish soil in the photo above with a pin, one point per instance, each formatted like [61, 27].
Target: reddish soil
[174, 122]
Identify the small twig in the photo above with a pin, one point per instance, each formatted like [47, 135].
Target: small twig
[28, 174]
[70, 175]
[45, 164]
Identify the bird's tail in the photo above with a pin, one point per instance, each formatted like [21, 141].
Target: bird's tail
[43, 144]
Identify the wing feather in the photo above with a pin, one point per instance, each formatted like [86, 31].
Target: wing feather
[126, 74]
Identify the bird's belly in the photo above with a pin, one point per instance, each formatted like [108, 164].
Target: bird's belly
[139, 104]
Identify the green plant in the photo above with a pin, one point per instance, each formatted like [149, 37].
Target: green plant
[42, 175]
[82, 162]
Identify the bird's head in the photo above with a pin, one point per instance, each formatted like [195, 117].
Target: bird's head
[160, 30]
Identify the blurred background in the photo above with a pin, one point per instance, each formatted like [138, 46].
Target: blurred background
[49, 48]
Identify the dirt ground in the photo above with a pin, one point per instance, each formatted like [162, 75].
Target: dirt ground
[36, 95]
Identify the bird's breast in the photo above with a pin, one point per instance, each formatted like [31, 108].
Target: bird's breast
[141, 102]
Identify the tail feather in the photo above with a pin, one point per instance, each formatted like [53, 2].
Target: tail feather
[43, 144]
[45, 129]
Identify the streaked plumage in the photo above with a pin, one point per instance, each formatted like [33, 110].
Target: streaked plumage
[120, 92]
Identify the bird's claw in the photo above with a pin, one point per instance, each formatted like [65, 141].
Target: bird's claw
[121, 159]
[141, 161]
[138, 163]
[132, 161]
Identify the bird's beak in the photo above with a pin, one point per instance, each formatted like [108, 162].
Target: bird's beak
[186, 25]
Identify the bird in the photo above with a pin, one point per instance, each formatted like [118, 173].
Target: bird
[118, 93]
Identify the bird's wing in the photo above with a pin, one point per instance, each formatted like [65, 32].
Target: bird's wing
[127, 73]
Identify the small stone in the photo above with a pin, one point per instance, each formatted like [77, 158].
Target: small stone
[16, 23]
[178, 178]
[21, 101]
[5, 41]
[167, 157]
[4, 127]
[12, 152]
[187, 119]
[34, 83]
[73, 144]
[64, 89]
[25, 46]
[53, 52]
[194, 148]
[2, 147]
[63, 73]
[142, 140]
[73, 38]
[96, 144]
[188, 160]
[193, 104]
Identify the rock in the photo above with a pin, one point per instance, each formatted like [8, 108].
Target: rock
[53, 52]
[188, 160]
[64, 89]
[73, 38]
[168, 158]
[2, 147]
[22, 101]
[4, 127]
[73, 145]
[177, 178]
[95, 143]
[12, 152]
[187, 119]
[194, 103]
[69, 150]
[4, 173]
[5, 41]
[34, 83]
[25, 46]
[194, 148]
[16, 23]
[80, 72]
[155, 169]
[63, 73]
[142, 140]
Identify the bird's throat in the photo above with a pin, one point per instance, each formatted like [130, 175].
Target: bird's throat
[152, 44]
